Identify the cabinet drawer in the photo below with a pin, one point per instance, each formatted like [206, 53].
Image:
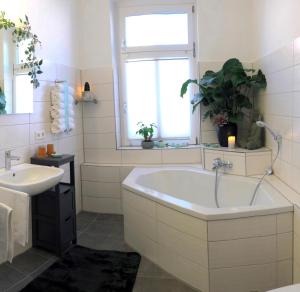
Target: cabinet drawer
[44, 205]
[67, 203]
[68, 229]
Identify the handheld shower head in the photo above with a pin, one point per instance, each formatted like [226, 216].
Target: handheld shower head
[277, 137]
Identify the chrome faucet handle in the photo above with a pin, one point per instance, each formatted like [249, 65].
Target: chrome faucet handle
[217, 163]
[228, 164]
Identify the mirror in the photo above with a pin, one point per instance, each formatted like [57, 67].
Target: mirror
[19, 66]
[16, 91]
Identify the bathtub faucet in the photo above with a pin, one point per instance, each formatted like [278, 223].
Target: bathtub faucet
[219, 163]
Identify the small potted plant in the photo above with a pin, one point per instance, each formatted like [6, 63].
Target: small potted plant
[147, 133]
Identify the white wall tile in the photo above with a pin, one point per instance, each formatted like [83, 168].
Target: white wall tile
[101, 189]
[244, 278]
[102, 156]
[100, 141]
[139, 222]
[239, 252]
[285, 222]
[170, 156]
[183, 269]
[241, 228]
[100, 173]
[284, 246]
[182, 222]
[189, 247]
[101, 205]
[257, 164]
[238, 163]
[99, 125]
[284, 273]
[296, 273]
[104, 108]
[97, 75]
[139, 203]
[141, 156]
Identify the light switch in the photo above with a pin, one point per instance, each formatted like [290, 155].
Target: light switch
[39, 135]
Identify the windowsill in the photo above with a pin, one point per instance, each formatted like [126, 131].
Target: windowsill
[200, 146]
[159, 148]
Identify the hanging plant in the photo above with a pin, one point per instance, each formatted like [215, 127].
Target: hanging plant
[22, 32]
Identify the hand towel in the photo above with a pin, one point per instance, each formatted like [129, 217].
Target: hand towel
[61, 88]
[6, 234]
[57, 129]
[20, 203]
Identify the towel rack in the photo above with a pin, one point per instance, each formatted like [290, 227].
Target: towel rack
[66, 104]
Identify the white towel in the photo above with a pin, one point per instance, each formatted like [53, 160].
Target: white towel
[58, 100]
[57, 129]
[6, 234]
[60, 87]
[20, 203]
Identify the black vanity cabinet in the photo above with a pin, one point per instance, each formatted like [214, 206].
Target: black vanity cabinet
[54, 211]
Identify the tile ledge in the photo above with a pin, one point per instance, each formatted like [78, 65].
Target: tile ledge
[286, 191]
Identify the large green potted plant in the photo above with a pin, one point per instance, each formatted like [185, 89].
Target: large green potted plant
[147, 133]
[226, 94]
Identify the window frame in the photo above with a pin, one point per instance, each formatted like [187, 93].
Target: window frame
[159, 52]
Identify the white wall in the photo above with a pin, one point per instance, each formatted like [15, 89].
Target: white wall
[276, 23]
[56, 23]
[95, 34]
[225, 30]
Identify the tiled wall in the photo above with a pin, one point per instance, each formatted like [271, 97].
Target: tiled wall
[17, 132]
[281, 106]
[105, 165]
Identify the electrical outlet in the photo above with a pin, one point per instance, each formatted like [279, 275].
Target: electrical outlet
[39, 135]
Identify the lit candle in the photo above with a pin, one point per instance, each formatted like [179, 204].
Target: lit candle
[231, 142]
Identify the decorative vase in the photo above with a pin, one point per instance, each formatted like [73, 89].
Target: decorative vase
[224, 131]
[147, 144]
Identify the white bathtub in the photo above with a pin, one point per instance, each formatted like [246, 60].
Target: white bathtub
[171, 218]
[191, 190]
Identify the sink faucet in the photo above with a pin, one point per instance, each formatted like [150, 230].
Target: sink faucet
[9, 158]
[219, 163]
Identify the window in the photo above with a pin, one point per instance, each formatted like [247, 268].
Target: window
[157, 54]
[23, 88]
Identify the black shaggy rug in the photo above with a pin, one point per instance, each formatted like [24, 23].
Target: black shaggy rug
[87, 270]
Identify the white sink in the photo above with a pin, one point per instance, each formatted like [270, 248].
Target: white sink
[31, 179]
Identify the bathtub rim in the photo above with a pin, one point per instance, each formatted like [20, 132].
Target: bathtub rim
[196, 210]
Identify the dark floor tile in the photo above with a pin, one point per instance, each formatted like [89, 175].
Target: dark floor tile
[20, 285]
[28, 262]
[160, 285]
[110, 218]
[86, 216]
[91, 240]
[105, 228]
[43, 253]
[149, 269]
[84, 219]
[9, 276]
[43, 267]
[114, 244]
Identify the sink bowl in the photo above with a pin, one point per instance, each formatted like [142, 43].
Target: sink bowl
[30, 178]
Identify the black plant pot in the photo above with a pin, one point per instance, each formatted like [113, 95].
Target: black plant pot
[225, 131]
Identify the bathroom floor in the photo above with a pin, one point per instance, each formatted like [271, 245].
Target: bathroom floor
[98, 231]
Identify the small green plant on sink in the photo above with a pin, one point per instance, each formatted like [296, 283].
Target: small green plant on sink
[147, 133]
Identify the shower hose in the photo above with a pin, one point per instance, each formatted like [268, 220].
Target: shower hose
[268, 172]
